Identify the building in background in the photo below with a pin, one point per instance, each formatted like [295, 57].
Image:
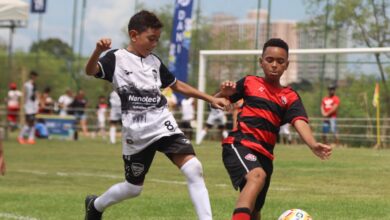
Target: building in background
[230, 32]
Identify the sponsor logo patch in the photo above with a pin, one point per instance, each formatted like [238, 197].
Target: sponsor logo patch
[284, 100]
[137, 169]
[250, 157]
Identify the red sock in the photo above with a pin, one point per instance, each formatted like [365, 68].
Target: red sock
[241, 214]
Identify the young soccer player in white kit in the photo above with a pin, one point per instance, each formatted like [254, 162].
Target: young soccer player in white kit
[147, 124]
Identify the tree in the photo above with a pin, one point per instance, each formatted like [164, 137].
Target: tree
[367, 20]
[53, 46]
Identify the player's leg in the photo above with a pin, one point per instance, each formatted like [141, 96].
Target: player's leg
[180, 151]
[203, 133]
[112, 132]
[325, 131]
[247, 173]
[30, 120]
[333, 130]
[136, 167]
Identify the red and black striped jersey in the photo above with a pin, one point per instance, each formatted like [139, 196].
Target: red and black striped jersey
[265, 109]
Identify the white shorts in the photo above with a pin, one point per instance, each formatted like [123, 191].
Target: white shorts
[115, 115]
[216, 118]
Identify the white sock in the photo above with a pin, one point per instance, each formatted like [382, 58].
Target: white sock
[225, 134]
[31, 135]
[192, 169]
[201, 137]
[24, 131]
[117, 193]
[112, 135]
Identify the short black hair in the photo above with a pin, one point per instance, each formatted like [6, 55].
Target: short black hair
[33, 73]
[275, 42]
[332, 86]
[144, 20]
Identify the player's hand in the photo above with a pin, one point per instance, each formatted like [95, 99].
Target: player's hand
[227, 88]
[103, 44]
[322, 151]
[220, 103]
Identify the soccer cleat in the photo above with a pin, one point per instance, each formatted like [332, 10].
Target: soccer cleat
[90, 211]
[30, 141]
[21, 140]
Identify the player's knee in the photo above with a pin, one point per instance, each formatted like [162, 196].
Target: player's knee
[256, 175]
[192, 169]
[132, 190]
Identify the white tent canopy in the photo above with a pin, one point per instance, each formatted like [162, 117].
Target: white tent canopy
[13, 13]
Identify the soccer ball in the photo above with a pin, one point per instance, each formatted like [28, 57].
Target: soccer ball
[295, 214]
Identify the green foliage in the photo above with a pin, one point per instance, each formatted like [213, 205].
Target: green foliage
[53, 46]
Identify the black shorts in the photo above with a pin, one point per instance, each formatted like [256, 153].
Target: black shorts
[30, 118]
[239, 160]
[137, 165]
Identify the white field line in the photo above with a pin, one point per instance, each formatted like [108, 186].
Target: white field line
[37, 172]
[7, 215]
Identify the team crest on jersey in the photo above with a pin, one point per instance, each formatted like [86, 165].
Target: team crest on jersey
[250, 157]
[137, 168]
[261, 89]
[284, 100]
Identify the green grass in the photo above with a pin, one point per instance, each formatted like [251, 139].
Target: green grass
[50, 180]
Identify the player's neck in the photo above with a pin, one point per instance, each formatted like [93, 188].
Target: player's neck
[273, 83]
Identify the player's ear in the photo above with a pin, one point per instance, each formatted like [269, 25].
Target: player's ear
[287, 63]
[260, 61]
[133, 35]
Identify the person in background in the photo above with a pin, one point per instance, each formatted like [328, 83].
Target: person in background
[64, 101]
[188, 112]
[171, 98]
[46, 103]
[41, 130]
[31, 103]
[216, 118]
[329, 107]
[115, 115]
[13, 106]
[101, 115]
[77, 109]
[285, 134]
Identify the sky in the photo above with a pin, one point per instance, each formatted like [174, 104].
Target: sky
[104, 18]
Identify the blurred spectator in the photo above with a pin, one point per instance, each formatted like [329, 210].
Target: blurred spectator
[285, 134]
[46, 103]
[171, 98]
[188, 111]
[13, 106]
[77, 108]
[216, 117]
[329, 107]
[64, 101]
[115, 114]
[30, 110]
[41, 129]
[101, 112]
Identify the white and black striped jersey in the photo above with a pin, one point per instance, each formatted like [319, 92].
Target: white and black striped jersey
[138, 82]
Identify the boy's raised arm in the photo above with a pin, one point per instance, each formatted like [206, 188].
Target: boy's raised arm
[92, 66]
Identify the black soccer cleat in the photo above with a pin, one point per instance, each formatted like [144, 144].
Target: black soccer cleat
[90, 211]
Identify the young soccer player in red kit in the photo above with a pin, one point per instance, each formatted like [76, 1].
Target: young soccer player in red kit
[248, 150]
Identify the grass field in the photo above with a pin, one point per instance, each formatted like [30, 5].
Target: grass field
[50, 180]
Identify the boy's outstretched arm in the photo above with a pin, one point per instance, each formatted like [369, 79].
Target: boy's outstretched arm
[92, 66]
[322, 151]
[188, 90]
